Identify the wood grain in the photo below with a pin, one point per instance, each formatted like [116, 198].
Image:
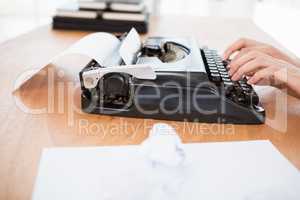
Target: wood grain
[24, 135]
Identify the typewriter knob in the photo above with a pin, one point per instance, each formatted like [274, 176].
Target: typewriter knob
[115, 85]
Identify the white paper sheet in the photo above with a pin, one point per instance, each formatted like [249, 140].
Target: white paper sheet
[109, 51]
[227, 170]
[97, 46]
[130, 47]
[102, 47]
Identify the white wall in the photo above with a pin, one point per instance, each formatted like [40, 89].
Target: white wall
[29, 7]
[231, 8]
[276, 17]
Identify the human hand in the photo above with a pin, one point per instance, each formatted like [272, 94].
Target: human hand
[244, 46]
[261, 69]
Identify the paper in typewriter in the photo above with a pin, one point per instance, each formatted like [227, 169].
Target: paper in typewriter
[109, 51]
[102, 47]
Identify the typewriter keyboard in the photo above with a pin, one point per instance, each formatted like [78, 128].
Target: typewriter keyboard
[238, 91]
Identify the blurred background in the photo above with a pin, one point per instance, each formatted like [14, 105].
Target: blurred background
[279, 18]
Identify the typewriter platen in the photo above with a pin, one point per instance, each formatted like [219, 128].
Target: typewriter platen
[171, 79]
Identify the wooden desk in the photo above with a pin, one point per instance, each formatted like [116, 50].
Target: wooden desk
[23, 135]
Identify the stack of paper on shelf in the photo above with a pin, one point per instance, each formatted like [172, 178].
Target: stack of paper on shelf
[103, 15]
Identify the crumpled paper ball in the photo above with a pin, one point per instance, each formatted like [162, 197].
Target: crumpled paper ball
[163, 146]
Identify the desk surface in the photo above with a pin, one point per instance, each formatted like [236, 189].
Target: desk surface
[24, 135]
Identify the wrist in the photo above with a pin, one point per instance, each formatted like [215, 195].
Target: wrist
[285, 77]
[293, 81]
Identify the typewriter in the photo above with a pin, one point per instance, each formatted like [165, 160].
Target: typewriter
[170, 79]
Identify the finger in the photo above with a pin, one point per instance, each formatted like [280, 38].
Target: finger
[258, 48]
[241, 53]
[253, 65]
[240, 44]
[236, 46]
[237, 63]
[249, 74]
[260, 77]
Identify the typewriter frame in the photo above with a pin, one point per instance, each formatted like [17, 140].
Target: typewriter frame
[212, 96]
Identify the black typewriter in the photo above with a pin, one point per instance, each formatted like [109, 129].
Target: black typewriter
[170, 79]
